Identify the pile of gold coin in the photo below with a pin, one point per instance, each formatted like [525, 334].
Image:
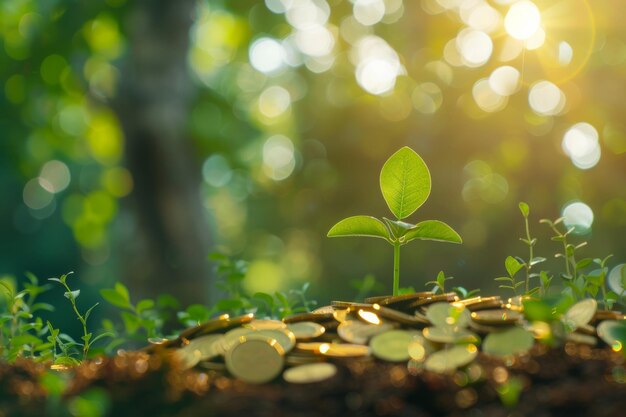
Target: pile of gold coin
[435, 332]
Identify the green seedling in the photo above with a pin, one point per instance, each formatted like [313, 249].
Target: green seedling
[530, 242]
[88, 338]
[439, 286]
[405, 185]
[512, 266]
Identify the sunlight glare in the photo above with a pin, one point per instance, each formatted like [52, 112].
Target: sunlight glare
[522, 20]
[581, 144]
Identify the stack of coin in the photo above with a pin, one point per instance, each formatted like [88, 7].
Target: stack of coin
[436, 331]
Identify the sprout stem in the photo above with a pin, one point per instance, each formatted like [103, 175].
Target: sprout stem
[396, 268]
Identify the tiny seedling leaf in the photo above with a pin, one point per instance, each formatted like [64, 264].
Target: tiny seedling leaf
[433, 230]
[72, 295]
[580, 314]
[360, 226]
[537, 260]
[398, 228]
[405, 182]
[512, 265]
[523, 207]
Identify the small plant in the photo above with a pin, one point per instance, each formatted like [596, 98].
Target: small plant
[87, 337]
[405, 185]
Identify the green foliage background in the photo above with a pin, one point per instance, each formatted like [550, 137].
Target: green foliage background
[61, 64]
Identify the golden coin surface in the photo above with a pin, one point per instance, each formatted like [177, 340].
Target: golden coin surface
[312, 316]
[187, 358]
[357, 332]
[349, 304]
[608, 315]
[209, 326]
[449, 334]
[231, 338]
[324, 310]
[209, 345]
[584, 339]
[284, 337]
[449, 297]
[255, 360]
[392, 346]
[306, 374]
[343, 350]
[417, 320]
[497, 317]
[306, 330]
[341, 314]
[265, 324]
[482, 303]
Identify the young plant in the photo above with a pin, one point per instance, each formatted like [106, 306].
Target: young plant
[513, 266]
[72, 295]
[530, 242]
[405, 185]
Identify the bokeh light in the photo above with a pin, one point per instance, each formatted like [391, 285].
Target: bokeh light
[581, 144]
[278, 157]
[504, 80]
[522, 20]
[369, 12]
[474, 46]
[267, 55]
[546, 98]
[378, 65]
[579, 216]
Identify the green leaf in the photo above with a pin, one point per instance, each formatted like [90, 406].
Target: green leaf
[433, 230]
[404, 182]
[88, 313]
[144, 305]
[72, 295]
[115, 298]
[537, 260]
[583, 263]
[398, 228]
[512, 265]
[523, 207]
[123, 291]
[360, 226]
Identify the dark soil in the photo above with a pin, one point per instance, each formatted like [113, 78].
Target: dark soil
[569, 381]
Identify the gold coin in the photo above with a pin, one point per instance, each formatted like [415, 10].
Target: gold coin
[482, 303]
[417, 320]
[231, 338]
[186, 358]
[265, 324]
[284, 337]
[309, 346]
[306, 330]
[608, 315]
[343, 350]
[449, 334]
[341, 314]
[399, 302]
[209, 326]
[584, 339]
[323, 310]
[446, 314]
[306, 374]
[212, 366]
[449, 297]
[450, 359]
[498, 317]
[392, 346]
[255, 359]
[312, 316]
[300, 358]
[359, 333]
[348, 304]
[208, 346]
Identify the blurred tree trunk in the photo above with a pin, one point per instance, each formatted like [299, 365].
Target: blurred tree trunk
[166, 248]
